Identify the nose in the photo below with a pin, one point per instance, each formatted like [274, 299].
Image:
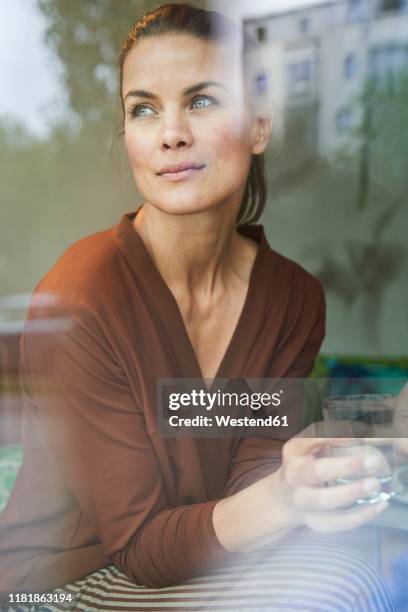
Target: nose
[176, 132]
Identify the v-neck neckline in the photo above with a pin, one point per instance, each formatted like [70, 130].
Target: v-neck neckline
[131, 244]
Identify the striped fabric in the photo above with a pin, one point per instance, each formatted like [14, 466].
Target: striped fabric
[295, 578]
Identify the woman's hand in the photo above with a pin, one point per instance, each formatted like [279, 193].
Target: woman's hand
[304, 475]
[296, 494]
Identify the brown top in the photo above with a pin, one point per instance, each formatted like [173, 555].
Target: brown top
[98, 484]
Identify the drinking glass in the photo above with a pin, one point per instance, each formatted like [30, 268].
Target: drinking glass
[364, 425]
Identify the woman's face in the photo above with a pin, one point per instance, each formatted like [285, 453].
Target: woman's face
[188, 131]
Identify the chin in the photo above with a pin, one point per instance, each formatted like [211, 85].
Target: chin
[182, 204]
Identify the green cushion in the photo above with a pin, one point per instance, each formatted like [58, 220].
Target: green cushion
[359, 367]
[11, 458]
[351, 374]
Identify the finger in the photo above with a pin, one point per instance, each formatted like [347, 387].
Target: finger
[308, 471]
[325, 522]
[334, 497]
[372, 447]
[299, 447]
[324, 430]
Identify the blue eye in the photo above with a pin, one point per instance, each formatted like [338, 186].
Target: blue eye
[140, 110]
[203, 101]
[199, 102]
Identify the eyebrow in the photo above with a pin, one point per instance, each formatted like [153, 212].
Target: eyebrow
[141, 93]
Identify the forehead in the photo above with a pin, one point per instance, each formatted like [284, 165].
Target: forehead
[156, 62]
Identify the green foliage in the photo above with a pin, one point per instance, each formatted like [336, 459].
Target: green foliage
[86, 37]
[378, 146]
[77, 180]
[53, 192]
[388, 136]
[73, 183]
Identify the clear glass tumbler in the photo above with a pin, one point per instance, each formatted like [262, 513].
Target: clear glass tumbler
[364, 424]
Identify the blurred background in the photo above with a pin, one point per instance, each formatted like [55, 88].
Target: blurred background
[336, 71]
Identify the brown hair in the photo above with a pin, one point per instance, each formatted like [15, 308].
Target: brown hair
[211, 26]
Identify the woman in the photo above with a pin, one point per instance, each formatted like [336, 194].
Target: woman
[183, 288]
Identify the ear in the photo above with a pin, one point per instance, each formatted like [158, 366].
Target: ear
[261, 132]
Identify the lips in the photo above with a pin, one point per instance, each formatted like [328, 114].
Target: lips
[179, 167]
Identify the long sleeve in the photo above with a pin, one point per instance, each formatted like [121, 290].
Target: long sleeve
[96, 434]
[256, 457]
[99, 483]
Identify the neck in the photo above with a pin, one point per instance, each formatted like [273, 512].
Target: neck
[198, 254]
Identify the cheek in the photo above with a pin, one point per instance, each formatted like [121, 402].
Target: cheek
[232, 149]
[233, 134]
[136, 148]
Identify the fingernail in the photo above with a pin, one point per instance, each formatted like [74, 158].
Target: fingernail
[382, 505]
[370, 485]
[371, 463]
